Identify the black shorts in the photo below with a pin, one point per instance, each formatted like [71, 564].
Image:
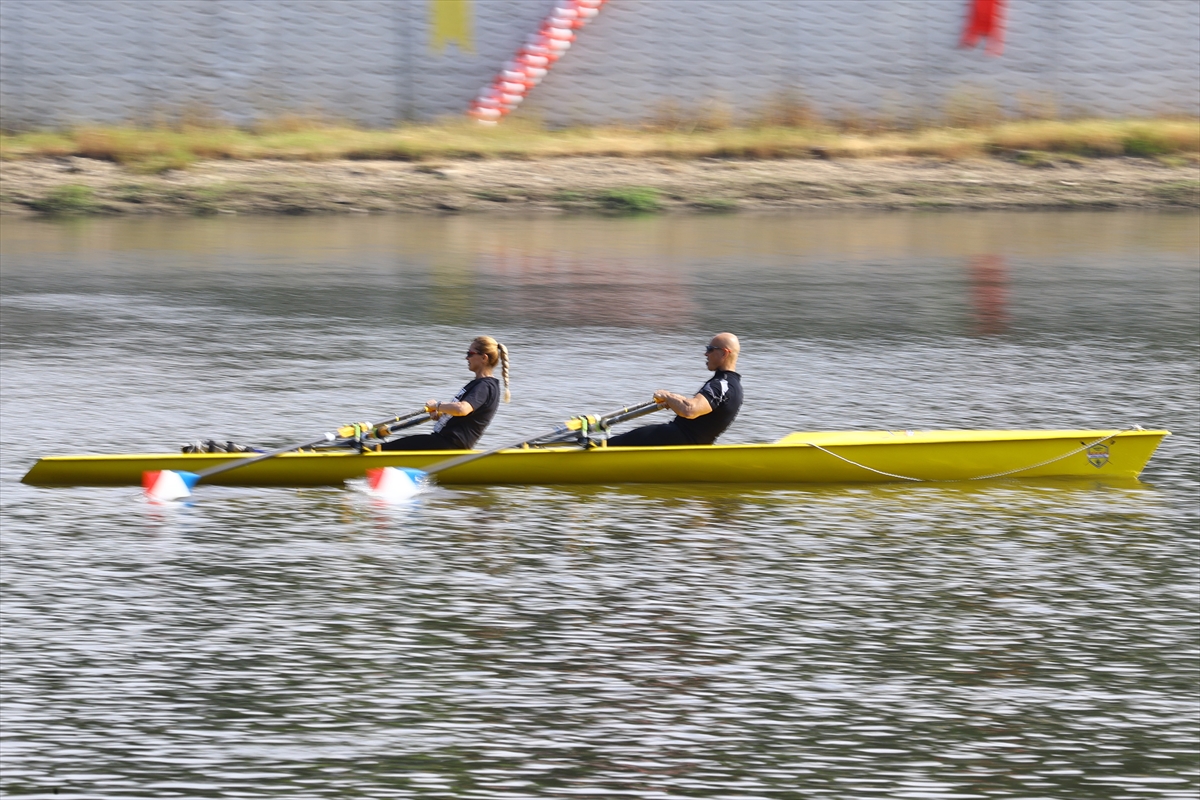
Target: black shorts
[664, 433]
[422, 441]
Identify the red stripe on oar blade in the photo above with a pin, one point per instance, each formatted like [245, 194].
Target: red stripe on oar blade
[375, 477]
[394, 484]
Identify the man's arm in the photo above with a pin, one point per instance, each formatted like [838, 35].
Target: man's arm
[686, 407]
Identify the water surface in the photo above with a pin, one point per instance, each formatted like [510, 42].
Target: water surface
[1002, 639]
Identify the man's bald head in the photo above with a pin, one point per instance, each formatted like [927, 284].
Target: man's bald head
[728, 341]
[723, 352]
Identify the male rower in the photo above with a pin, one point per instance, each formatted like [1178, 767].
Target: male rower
[704, 417]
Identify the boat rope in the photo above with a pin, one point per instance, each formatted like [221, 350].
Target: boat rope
[1076, 451]
[864, 466]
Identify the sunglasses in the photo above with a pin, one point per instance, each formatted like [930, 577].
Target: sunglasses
[710, 349]
[473, 353]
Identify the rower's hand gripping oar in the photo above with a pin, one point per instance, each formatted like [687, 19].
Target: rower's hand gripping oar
[579, 429]
[573, 427]
[176, 484]
[399, 483]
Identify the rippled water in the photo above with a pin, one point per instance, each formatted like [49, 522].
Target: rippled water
[1007, 639]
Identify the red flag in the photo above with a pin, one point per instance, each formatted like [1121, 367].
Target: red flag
[985, 20]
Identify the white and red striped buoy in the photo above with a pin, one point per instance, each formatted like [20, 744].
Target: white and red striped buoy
[554, 37]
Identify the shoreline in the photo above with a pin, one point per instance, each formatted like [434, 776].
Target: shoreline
[594, 184]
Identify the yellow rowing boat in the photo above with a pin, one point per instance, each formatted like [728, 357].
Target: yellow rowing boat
[818, 457]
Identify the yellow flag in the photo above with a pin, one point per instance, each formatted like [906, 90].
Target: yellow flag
[451, 22]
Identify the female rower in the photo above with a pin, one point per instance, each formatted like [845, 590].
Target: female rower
[459, 423]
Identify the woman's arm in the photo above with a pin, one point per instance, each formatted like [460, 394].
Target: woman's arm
[453, 408]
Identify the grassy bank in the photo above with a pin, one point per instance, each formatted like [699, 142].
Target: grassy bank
[157, 150]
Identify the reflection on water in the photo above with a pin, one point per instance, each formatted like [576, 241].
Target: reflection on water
[1003, 639]
[840, 275]
[989, 294]
[565, 288]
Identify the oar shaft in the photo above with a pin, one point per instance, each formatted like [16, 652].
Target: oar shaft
[603, 423]
[413, 418]
[399, 420]
[205, 473]
[394, 423]
[459, 460]
[626, 414]
[396, 427]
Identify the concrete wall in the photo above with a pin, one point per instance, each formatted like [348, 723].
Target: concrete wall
[372, 61]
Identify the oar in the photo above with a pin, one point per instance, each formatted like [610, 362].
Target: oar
[399, 483]
[170, 484]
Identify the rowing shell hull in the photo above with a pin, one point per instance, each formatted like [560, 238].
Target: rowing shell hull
[797, 459]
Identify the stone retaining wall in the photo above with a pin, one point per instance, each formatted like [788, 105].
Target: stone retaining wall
[378, 61]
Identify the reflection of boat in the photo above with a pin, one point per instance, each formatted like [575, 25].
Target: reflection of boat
[827, 457]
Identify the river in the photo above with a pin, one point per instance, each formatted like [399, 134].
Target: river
[1005, 639]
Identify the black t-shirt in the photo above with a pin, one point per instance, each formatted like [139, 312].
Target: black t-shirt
[484, 396]
[724, 393]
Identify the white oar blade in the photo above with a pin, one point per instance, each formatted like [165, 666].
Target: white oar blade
[165, 485]
[395, 484]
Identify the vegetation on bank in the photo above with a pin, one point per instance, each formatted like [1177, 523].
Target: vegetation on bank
[159, 149]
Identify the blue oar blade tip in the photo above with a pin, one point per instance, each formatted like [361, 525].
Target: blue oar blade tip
[169, 484]
[395, 484]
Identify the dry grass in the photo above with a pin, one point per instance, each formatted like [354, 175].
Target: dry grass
[1101, 137]
[300, 139]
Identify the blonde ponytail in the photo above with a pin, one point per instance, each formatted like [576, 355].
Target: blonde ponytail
[504, 370]
[495, 353]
